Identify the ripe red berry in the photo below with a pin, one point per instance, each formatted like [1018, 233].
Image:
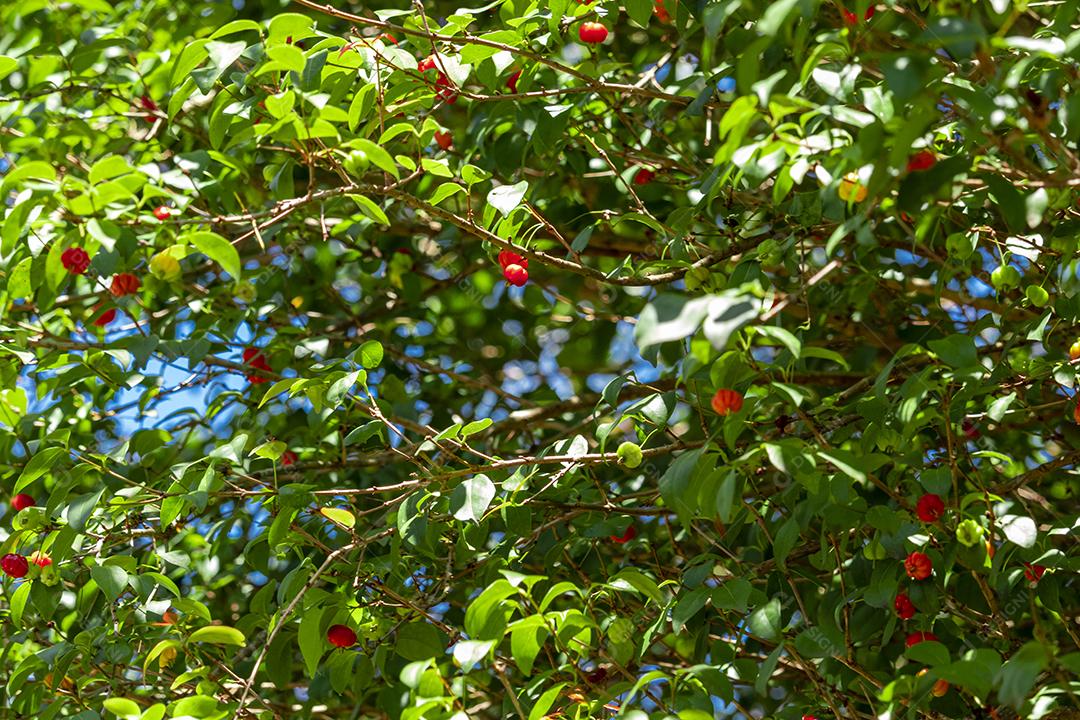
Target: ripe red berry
[447, 92]
[341, 636]
[516, 275]
[14, 565]
[106, 317]
[147, 103]
[592, 33]
[162, 212]
[904, 607]
[253, 357]
[40, 559]
[918, 566]
[917, 637]
[922, 160]
[124, 284]
[1033, 573]
[511, 82]
[852, 19]
[971, 432]
[21, 502]
[929, 508]
[509, 257]
[75, 260]
[444, 139]
[661, 12]
[726, 402]
[627, 536]
[809, 717]
[288, 458]
[644, 176]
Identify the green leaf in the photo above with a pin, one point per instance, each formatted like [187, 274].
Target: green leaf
[19, 282]
[199, 706]
[470, 653]
[419, 641]
[7, 66]
[1020, 530]
[784, 337]
[190, 57]
[111, 579]
[732, 595]
[506, 198]
[158, 649]
[470, 499]
[362, 103]
[286, 57]
[370, 208]
[444, 191]
[222, 55]
[341, 387]
[43, 461]
[364, 432]
[218, 635]
[929, 653]
[764, 622]
[775, 16]
[546, 700]
[17, 603]
[767, 668]
[674, 317]
[123, 708]
[371, 354]
[236, 26]
[640, 11]
[217, 249]
[957, 35]
[784, 541]
[687, 606]
[956, 350]
[339, 516]
[378, 157]
[1017, 676]
[81, 508]
[526, 640]
[475, 427]
[635, 579]
[312, 640]
[277, 388]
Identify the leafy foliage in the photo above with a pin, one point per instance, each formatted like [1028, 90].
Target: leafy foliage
[365, 362]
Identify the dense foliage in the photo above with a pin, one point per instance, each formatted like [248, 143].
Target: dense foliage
[435, 362]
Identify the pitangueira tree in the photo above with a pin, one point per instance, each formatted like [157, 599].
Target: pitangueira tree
[545, 358]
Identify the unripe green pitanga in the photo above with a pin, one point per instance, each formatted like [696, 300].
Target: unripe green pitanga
[31, 518]
[165, 267]
[50, 575]
[356, 162]
[1037, 295]
[768, 252]
[245, 291]
[969, 533]
[629, 454]
[959, 246]
[874, 550]
[696, 277]
[1005, 277]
